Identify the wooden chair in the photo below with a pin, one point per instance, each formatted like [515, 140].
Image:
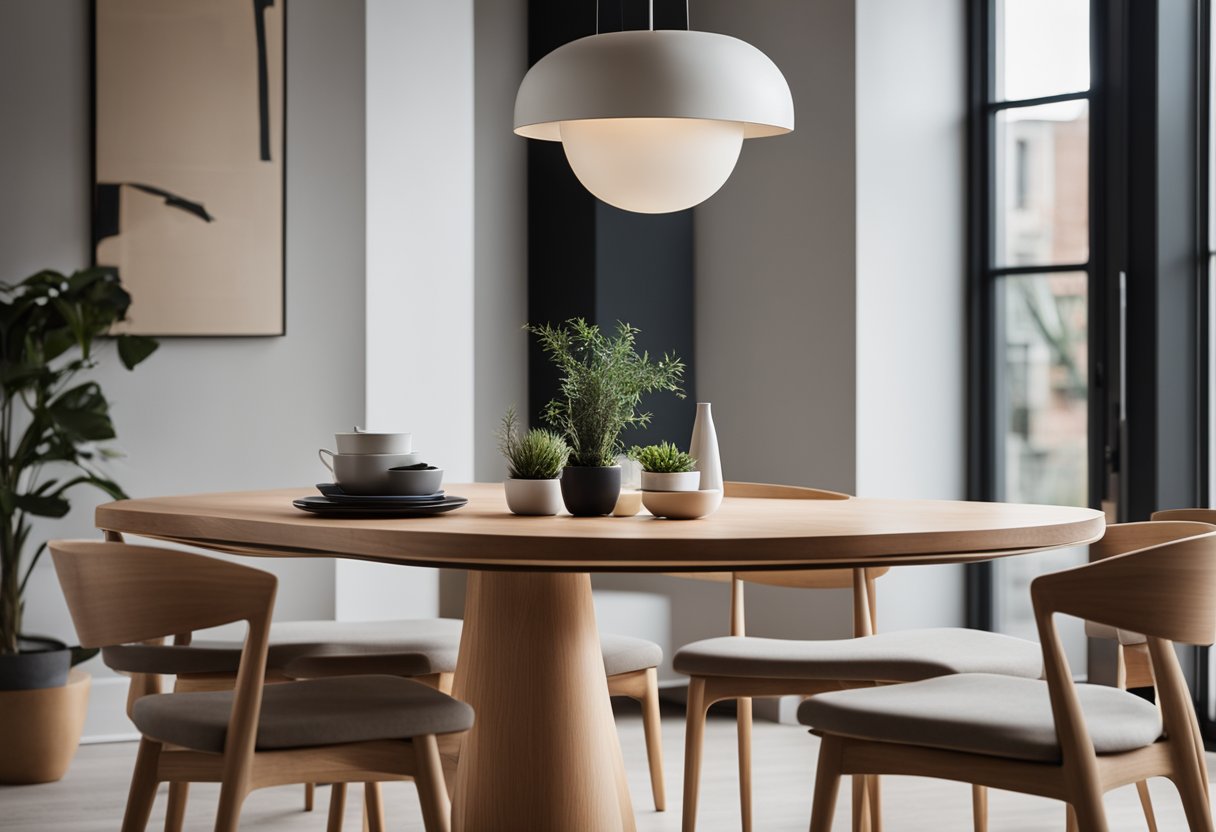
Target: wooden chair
[337, 730]
[424, 650]
[1052, 737]
[739, 667]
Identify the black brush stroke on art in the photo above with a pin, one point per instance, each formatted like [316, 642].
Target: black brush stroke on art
[259, 19]
[108, 199]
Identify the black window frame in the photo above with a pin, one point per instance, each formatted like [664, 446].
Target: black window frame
[985, 366]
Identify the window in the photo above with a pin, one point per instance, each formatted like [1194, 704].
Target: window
[1032, 276]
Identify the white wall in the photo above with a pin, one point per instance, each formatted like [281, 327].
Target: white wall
[911, 153]
[829, 292]
[202, 414]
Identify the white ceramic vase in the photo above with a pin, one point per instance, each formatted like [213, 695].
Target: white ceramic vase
[704, 449]
[538, 498]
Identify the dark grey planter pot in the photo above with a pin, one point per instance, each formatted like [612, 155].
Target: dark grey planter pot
[42, 663]
[591, 492]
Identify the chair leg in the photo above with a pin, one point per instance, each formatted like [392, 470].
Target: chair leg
[143, 787]
[1091, 816]
[743, 726]
[827, 785]
[694, 738]
[228, 815]
[432, 793]
[875, 794]
[861, 804]
[1070, 819]
[337, 807]
[373, 808]
[175, 812]
[1146, 803]
[1194, 798]
[310, 796]
[653, 727]
[979, 808]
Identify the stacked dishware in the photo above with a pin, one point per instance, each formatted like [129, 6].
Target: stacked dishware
[378, 474]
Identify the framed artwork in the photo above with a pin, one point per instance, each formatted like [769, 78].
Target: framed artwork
[188, 143]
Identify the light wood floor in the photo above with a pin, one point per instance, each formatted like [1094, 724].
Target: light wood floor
[91, 797]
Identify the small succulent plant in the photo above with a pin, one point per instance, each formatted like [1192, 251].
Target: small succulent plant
[665, 458]
[536, 455]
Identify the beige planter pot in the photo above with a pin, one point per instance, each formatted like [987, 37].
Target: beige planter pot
[40, 730]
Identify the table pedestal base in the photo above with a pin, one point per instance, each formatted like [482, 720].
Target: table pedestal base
[543, 754]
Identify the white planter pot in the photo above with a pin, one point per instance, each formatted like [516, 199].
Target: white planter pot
[540, 498]
[685, 481]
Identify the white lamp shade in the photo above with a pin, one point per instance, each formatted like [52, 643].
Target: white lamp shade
[652, 165]
[652, 121]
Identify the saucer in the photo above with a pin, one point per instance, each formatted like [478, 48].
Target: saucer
[336, 495]
[325, 507]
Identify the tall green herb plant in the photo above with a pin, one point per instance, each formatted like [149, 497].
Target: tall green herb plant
[603, 379]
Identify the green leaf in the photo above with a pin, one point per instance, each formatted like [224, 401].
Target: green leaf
[108, 486]
[82, 413]
[132, 349]
[42, 506]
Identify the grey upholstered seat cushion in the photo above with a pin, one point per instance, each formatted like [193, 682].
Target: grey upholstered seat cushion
[902, 656]
[625, 654]
[418, 647]
[981, 713]
[304, 714]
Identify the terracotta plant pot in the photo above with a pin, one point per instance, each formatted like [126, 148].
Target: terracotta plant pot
[536, 498]
[591, 492]
[41, 730]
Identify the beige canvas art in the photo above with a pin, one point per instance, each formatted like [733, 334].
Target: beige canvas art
[188, 201]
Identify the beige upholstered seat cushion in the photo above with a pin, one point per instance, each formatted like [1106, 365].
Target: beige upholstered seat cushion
[418, 647]
[902, 656]
[304, 714]
[625, 654]
[981, 713]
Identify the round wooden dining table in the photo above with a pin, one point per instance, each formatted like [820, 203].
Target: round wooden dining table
[543, 753]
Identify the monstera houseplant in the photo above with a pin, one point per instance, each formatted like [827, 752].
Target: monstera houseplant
[52, 420]
[603, 379]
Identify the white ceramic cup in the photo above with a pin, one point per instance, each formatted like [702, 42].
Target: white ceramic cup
[365, 473]
[359, 442]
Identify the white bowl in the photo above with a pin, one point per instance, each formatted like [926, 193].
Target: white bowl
[682, 505]
[359, 442]
[415, 483]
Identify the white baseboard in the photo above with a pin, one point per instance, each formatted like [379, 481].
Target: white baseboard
[107, 716]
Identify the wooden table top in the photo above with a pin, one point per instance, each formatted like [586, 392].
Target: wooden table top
[744, 534]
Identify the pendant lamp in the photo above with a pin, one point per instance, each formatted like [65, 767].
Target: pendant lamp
[653, 121]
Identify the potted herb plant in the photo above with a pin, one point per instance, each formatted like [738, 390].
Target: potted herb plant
[603, 379]
[50, 423]
[666, 468]
[534, 462]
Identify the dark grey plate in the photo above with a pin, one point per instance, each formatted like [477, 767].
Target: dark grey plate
[324, 507]
[336, 495]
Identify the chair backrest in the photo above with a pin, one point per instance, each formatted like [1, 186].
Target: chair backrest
[1166, 590]
[798, 578]
[119, 593]
[1193, 515]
